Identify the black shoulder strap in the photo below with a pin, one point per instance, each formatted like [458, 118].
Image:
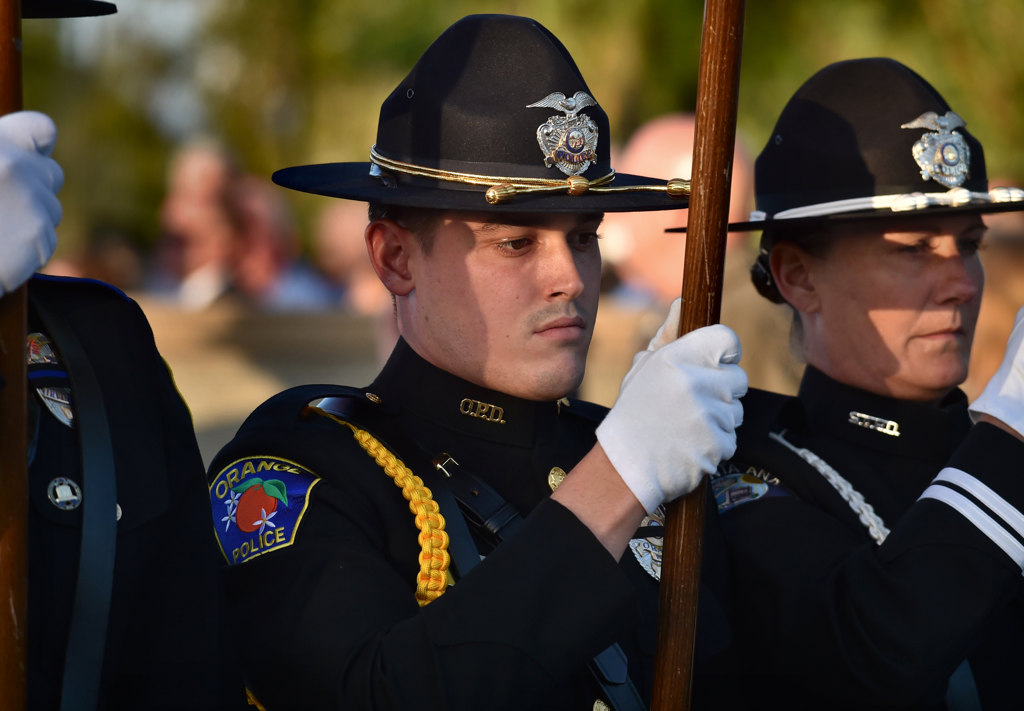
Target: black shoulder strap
[463, 497]
[83, 663]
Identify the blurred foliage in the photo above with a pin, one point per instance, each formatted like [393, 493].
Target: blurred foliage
[283, 83]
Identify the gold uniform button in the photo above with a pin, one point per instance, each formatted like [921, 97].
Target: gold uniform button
[555, 477]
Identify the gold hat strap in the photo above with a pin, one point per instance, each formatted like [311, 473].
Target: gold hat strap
[501, 188]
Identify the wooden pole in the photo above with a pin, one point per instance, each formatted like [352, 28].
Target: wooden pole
[714, 143]
[13, 435]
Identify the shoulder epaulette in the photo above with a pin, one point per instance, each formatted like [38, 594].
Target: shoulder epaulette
[289, 404]
[58, 280]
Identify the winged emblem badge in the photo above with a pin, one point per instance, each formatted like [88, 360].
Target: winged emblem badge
[943, 155]
[568, 142]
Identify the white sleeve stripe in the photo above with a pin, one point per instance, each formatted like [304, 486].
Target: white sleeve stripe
[982, 521]
[979, 490]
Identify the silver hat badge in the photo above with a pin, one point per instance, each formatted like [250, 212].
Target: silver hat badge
[942, 156]
[568, 142]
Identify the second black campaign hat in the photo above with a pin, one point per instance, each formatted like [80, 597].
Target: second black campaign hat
[495, 116]
[867, 139]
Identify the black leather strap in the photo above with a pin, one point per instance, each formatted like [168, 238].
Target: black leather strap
[611, 670]
[83, 664]
[486, 512]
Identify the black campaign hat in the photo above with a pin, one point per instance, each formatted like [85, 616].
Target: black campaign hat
[494, 116]
[869, 139]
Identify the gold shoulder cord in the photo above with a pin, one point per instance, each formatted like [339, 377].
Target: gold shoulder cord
[433, 578]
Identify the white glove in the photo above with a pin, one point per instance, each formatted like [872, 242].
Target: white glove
[29, 209]
[677, 413]
[1003, 397]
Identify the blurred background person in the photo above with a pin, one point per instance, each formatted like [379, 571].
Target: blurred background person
[647, 270]
[196, 231]
[267, 268]
[340, 253]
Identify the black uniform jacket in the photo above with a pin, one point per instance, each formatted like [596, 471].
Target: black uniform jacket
[164, 648]
[825, 617]
[325, 599]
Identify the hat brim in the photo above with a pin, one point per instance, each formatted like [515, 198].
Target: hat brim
[869, 216]
[52, 9]
[352, 181]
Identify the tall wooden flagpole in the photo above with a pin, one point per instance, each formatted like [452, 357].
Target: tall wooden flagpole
[714, 141]
[13, 433]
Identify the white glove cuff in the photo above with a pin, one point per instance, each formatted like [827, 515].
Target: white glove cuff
[623, 458]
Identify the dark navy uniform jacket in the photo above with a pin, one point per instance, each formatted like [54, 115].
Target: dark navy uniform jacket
[323, 587]
[164, 644]
[823, 616]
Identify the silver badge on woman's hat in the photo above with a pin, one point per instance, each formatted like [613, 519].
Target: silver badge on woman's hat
[942, 156]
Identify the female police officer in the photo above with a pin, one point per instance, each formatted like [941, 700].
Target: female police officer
[873, 532]
[486, 184]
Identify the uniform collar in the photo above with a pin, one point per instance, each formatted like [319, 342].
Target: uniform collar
[409, 385]
[878, 422]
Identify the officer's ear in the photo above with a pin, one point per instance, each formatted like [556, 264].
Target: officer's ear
[389, 245]
[792, 272]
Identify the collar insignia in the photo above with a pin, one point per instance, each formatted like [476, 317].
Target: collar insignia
[482, 410]
[878, 424]
[942, 156]
[568, 142]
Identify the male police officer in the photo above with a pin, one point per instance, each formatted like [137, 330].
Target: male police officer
[487, 185]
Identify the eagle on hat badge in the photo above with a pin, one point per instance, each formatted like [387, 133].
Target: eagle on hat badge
[942, 156]
[568, 142]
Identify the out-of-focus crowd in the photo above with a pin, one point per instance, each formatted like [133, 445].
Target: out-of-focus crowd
[227, 234]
